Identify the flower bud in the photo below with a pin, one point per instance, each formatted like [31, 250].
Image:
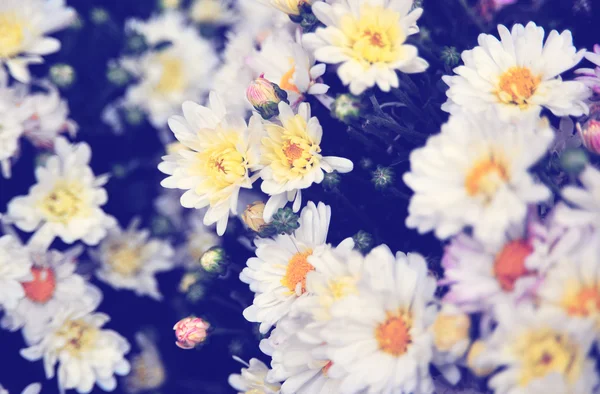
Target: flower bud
[346, 108]
[265, 97]
[363, 241]
[99, 15]
[590, 135]
[62, 74]
[214, 260]
[190, 332]
[450, 56]
[285, 221]
[382, 177]
[573, 161]
[169, 4]
[253, 216]
[331, 180]
[477, 348]
[451, 331]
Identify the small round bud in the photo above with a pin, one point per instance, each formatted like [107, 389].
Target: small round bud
[346, 108]
[573, 160]
[450, 56]
[363, 241]
[187, 280]
[285, 221]
[366, 163]
[62, 74]
[253, 216]
[134, 116]
[214, 260]
[190, 332]
[590, 135]
[383, 177]
[116, 74]
[169, 4]
[331, 180]
[136, 43]
[160, 225]
[451, 331]
[99, 15]
[265, 97]
[478, 368]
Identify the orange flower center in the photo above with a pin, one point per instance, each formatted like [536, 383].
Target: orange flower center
[297, 269]
[375, 38]
[292, 152]
[517, 85]
[510, 263]
[585, 303]
[42, 287]
[393, 335]
[486, 176]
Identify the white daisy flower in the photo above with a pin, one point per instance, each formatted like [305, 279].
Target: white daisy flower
[253, 378]
[213, 12]
[86, 353]
[129, 259]
[518, 75]
[586, 201]
[147, 368]
[291, 158]
[539, 351]
[378, 340]
[480, 165]
[15, 267]
[293, 359]
[24, 25]
[52, 284]
[368, 39]
[278, 272]
[284, 62]
[66, 200]
[33, 388]
[168, 77]
[217, 161]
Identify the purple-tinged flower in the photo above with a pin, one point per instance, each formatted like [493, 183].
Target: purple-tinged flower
[190, 332]
[591, 76]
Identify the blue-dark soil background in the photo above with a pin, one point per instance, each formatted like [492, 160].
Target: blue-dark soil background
[356, 203]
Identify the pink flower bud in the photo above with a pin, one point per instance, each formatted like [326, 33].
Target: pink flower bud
[190, 332]
[265, 96]
[590, 135]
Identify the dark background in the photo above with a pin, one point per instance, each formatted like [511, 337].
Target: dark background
[356, 203]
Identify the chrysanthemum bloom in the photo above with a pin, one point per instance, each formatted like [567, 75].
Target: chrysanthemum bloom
[147, 368]
[480, 165]
[286, 63]
[51, 285]
[66, 201]
[172, 75]
[23, 29]
[591, 76]
[86, 353]
[589, 132]
[291, 158]
[278, 272]
[518, 75]
[586, 201]
[190, 332]
[15, 267]
[217, 161]
[539, 351]
[368, 39]
[253, 379]
[290, 7]
[130, 259]
[378, 340]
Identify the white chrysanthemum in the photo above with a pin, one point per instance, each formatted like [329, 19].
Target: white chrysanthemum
[475, 173]
[66, 200]
[293, 359]
[86, 353]
[368, 39]
[33, 388]
[378, 340]
[253, 379]
[284, 62]
[213, 12]
[167, 77]
[278, 272]
[53, 284]
[291, 157]
[23, 28]
[147, 368]
[15, 267]
[217, 160]
[518, 75]
[586, 201]
[129, 259]
[539, 351]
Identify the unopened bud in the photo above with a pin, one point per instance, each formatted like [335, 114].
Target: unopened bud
[573, 160]
[450, 56]
[590, 135]
[363, 241]
[382, 177]
[214, 260]
[62, 75]
[331, 180]
[265, 97]
[190, 332]
[346, 108]
[253, 216]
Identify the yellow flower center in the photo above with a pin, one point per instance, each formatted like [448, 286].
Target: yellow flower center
[486, 176]
[41, 288]
[63, 203]
[289, 150]
[393, 335]
[172, 77]
[286, 80]
[517, 85]
[545, 351]
[206, 11]
[448, 330]
[585, 302]
[297, 269]
[343, 287]
[124, 259]
[376, 37]
[11, 35]
[509, 265]
[78, 335]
